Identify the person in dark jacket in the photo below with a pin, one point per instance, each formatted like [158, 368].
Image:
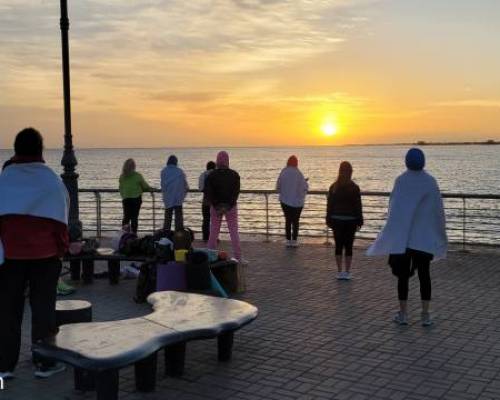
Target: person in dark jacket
[205, 206]
[222, 189]
[34, 207]
[344, 215]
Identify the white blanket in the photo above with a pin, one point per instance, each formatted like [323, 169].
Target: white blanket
[32, 189]
[415, 218]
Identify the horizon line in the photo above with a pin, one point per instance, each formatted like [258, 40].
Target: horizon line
[418, 143]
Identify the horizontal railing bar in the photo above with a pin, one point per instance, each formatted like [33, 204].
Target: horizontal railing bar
[318, 192]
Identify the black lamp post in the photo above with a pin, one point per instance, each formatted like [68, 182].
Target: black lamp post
[69, 176]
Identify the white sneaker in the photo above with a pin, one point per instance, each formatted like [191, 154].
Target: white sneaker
[294, 243]
[47, 372]
[347, 276]
[6, 375]
[340, 276]
[288, 243]
[400, 318]
[426, 320]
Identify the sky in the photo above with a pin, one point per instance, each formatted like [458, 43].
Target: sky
[165, 73]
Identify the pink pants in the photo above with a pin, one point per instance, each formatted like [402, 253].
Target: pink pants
[232, 226]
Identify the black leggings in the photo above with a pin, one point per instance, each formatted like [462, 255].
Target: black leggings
[404, 265]
[179, 219]
[205, 226]
[343, 234]
[292, 217]
[131, 209]
[41, 275]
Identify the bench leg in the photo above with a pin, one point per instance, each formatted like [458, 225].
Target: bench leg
[107, 385]
[174, 359]
[225, 346]
[84, 380]
[145, 374]
[88, 271]
[114, 271]
[74, 266]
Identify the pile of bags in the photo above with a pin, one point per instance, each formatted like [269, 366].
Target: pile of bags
[176, 264]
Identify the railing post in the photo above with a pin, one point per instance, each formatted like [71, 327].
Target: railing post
[98, 214]
[266, 195]
[464, 223]
[154, 210]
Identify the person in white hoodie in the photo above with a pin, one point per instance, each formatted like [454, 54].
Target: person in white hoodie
[174, 188]
[292, 188]
[414, 233]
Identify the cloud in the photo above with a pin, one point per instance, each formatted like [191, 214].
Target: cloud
[128, 55]
[481, 103]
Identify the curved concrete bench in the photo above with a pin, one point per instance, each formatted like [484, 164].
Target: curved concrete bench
[177, 317]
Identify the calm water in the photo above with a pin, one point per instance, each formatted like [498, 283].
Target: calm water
[458, 169]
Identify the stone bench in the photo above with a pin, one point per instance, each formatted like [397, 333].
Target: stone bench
[105, 347]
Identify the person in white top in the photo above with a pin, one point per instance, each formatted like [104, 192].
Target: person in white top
[292, 188]
[414, 233]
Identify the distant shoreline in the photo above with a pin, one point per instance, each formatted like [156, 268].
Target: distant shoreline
[419, 143]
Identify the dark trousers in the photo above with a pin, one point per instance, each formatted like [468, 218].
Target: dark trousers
[205, 226]
[179, 220]
[292, 217]
[343, 235]
[41, 277]
[131, 209]
[404, 265]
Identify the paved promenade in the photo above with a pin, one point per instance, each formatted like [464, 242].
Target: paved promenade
[317, 338]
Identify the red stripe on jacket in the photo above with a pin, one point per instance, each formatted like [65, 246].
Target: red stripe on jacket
[27, 238]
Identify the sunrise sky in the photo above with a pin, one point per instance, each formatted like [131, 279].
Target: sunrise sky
[162, 73]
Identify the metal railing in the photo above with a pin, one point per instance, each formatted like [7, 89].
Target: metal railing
[471, 218]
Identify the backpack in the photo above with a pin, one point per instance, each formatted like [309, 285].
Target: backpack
[197, 271]
[183, 239]
[146, 282]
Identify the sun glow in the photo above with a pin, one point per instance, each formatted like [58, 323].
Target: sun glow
[329, 129]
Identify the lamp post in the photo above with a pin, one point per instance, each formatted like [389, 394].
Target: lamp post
[68, 161]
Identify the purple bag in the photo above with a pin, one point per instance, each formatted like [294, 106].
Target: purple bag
[171, 276]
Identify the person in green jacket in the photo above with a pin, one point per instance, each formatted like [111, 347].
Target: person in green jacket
[132, 184]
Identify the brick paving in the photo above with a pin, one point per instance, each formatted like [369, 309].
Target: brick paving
[317, 338]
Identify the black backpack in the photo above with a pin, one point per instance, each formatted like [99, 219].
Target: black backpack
[197, 271]
[183, 239]
[146, 281]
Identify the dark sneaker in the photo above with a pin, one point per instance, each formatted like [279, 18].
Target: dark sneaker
[47, 372]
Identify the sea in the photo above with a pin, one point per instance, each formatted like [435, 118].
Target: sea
[459, 169]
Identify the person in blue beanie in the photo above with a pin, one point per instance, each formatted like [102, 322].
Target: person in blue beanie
[174, 188]
[414, 233]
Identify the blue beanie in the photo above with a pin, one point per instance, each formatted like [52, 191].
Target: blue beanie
[415, 159]
[172, 160]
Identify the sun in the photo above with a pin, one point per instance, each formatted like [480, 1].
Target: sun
[329, 129]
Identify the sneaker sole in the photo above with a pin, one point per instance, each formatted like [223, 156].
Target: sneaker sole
[48, 374]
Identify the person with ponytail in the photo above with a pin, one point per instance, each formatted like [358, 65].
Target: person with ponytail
[344, 215]
[132, 185]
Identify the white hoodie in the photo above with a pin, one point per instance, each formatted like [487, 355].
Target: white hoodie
[292, 187]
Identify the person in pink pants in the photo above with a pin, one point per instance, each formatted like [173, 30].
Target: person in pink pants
[222, 189]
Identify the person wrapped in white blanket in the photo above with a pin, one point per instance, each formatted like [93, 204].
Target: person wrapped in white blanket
[414, 233]
[34, 207]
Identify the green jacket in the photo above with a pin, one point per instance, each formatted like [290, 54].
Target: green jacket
[132, 186]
